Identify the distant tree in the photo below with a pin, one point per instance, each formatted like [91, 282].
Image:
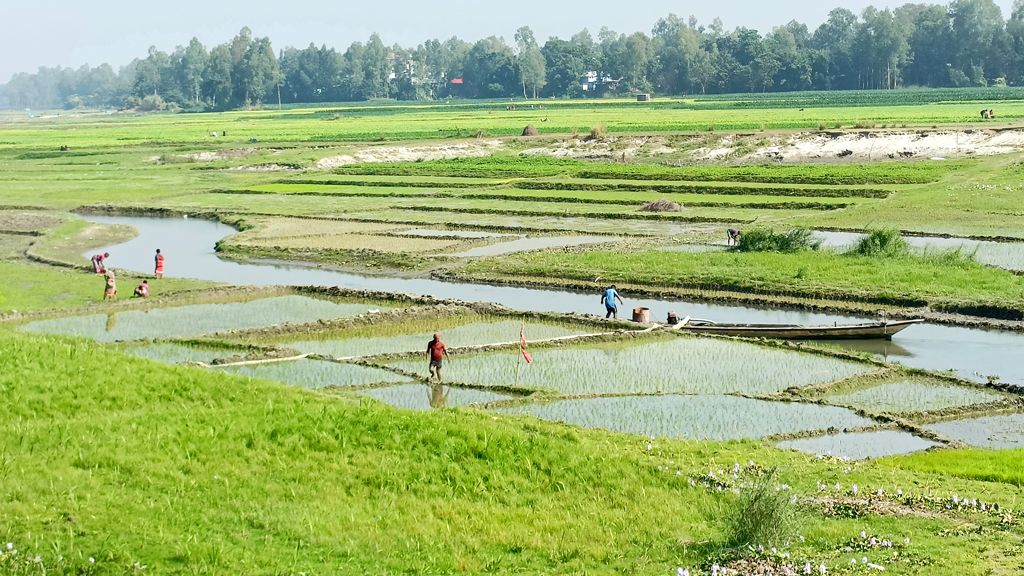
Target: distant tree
[218, 81]
[195, 63]
[261, 73]
[530, 60]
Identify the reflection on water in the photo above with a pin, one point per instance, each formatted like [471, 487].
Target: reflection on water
[860, 445]
[189, 247]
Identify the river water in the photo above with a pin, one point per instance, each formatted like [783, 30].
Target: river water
[188, 245]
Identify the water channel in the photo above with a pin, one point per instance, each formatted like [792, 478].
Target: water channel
[188, 245]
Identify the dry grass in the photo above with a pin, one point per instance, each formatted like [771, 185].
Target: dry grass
[392, 244]
[663, 205]
[291, 227]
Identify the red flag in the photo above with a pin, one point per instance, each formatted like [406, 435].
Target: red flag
[523, 345]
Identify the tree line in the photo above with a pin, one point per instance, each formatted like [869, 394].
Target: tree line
[965, 43]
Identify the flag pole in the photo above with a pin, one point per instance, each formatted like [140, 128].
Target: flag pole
[519, 360]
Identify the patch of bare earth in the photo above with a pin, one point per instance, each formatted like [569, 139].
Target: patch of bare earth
[28, 222]
[871, 146]
[226, 154]
[611, 147]
[388, 154]
[845, 505]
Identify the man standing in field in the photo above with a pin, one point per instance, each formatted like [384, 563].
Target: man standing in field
[159, 273]
[609, 298]
[98, 264]
[435, 351]
[110, 292]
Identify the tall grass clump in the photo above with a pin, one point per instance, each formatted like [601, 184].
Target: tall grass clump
[768, 240]
[762, 515]
[597, 131]
[882, 243]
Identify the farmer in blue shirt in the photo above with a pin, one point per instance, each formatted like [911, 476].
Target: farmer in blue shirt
[609, 298]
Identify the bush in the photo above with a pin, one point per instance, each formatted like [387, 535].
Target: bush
[763, 515]
[865, 124]
[882, 243]
[597, 130]
[768, 240]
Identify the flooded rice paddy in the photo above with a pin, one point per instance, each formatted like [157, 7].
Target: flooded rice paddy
[710, 417]
[476, 333]
[1005, 431]
[641, 380]
[196, 319]
[860, 445]
[433, 396]
[1008, 255]
[678, 364]
[909, 396]
[970, 353]
[317, 373]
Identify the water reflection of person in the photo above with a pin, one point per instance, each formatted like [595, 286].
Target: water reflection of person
[438, 397]
[111, 321]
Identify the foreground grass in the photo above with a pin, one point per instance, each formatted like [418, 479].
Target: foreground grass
[124, 460]
[818, 273]
[989, 465]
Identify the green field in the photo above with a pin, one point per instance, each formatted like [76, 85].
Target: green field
[109, 457]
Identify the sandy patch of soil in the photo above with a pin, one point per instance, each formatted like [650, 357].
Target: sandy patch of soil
[226, 154]
[602, 148]
[264, 168]
[864, 146]
[387, 154]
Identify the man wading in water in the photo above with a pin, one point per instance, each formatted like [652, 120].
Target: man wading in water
[609, 298]
[435, 350]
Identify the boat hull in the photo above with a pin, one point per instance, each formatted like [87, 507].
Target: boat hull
[869, 331]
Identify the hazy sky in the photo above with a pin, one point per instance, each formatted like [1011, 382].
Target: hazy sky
[72, 33]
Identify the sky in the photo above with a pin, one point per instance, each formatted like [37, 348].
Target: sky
[72, 33]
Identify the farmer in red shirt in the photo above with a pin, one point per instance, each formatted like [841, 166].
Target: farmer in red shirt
[435, 350]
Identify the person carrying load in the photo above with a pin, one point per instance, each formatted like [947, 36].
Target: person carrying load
[110, 292]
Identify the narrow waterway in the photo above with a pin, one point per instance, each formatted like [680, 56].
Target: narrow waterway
[188, 245]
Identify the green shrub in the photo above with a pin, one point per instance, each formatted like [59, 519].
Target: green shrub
[763, 514]
[768, 240]
[865, 124]
[882, 243]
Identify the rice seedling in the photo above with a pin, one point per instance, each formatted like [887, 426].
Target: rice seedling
[193, 320]
[675, 364]
[412, 336]
[1006, 431]
[316, 373]
[909, 396]
[710, 417]
[433, 396]
[860, 445]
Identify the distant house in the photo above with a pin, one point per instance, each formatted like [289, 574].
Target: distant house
[643, 97]
[591, 82]
[455, 81]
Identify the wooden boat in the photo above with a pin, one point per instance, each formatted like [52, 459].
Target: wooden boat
[866, 331]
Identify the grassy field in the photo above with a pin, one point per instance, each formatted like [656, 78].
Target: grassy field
[110, 460]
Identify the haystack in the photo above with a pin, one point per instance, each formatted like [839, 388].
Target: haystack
[662, 205]
[531, 130]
